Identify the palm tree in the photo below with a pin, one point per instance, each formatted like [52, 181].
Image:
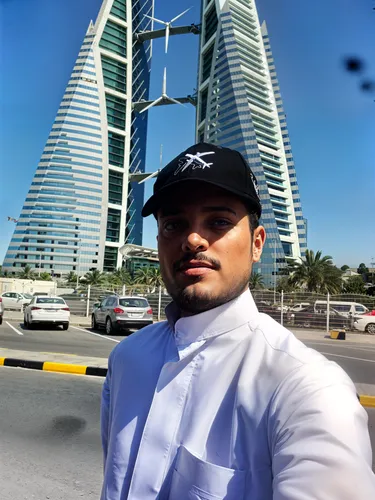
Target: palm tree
[95, 278]
[120, 277]
[316, 273]
[256, 281]
[45, 276]
[149, 276]
[71, 278]
[284, 284]
[27, 273]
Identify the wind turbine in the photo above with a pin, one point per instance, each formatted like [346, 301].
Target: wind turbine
[154, 174]
[168, 26]
[164, 98]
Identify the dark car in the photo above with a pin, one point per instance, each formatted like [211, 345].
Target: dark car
[309, 318]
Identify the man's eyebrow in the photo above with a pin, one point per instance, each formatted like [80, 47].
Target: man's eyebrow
[220, 208]
[168, 211]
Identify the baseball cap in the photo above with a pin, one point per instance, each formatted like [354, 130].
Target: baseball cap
[221, 167]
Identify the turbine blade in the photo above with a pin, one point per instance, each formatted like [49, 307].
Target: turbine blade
[149, 177]
[180, 15]
[166, 38]
[151, 105]
[174, 101]
[164, 90]
[157, 20]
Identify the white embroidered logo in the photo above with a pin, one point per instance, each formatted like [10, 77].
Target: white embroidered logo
[193, 162]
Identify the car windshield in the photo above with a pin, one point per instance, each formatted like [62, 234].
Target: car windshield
[49, 300]
[133, 302]
[27, 296]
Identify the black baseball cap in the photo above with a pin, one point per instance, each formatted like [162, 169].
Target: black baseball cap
[221, 167]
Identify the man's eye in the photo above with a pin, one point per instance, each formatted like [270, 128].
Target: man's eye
[221, 223]
[171, 226]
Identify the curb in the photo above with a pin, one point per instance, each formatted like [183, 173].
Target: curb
[55, 367]
[367, 401]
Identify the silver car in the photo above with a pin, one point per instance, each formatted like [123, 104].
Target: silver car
[115, 312]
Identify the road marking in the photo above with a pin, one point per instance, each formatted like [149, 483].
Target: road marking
[354, 347]
[13, 328]
[348, 357]
[96, 334]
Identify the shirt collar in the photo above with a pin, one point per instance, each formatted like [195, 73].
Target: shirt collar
[213, 322]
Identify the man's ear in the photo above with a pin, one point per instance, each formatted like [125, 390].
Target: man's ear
[259, 239]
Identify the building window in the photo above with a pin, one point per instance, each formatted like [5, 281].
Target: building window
[114, 73]
[203, 110]
[210, 23]
[113, 225]
[119, 9]
[207, 62]
[114, 38]
[115, 183]
[116, 111]
[116, 147]
[110, 259]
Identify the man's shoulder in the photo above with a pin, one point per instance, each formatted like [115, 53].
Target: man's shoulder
[144, 340]
[295, 366]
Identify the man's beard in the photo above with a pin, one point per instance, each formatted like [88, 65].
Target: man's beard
[191, 301]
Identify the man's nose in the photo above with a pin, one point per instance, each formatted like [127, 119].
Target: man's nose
[194, 242]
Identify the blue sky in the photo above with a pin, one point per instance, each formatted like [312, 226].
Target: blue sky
[331, 123]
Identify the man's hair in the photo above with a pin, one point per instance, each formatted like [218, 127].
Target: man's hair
[254, 222]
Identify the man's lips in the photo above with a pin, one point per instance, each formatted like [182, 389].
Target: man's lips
[196, 268]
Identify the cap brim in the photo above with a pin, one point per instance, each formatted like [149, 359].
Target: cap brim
[154, 203]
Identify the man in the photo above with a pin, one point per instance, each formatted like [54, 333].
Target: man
[221, 401]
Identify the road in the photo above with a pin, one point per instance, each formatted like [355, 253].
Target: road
[49, 435]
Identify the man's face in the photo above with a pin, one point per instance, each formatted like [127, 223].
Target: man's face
[205, 246]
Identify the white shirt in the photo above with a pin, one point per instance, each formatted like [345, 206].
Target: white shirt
[229, 404]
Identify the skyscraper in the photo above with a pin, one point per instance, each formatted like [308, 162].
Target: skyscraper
[81, 206]
[239, 106]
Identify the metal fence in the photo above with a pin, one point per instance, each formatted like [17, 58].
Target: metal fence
[297, 309]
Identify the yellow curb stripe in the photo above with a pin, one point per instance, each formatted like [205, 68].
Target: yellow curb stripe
[64, 368]
[368, 401]
[2, 361]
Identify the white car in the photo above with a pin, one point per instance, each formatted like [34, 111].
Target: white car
[47, 310]
[365, 323]
[15, 300]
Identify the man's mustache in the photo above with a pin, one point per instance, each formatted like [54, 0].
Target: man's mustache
[200, 256]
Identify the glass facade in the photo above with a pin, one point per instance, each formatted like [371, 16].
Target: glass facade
[81, 184]
[238, 108]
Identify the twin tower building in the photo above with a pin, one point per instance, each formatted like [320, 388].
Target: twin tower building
[85, 201]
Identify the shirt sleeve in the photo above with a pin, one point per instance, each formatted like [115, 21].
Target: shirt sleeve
[320, 443]
[104, 409]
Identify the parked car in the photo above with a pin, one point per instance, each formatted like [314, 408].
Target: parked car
[116, 312]
[15, 300]
[44, 310]
[309, 318]
[299, 307]
[365, 323]
[1, 310]
[345, 308]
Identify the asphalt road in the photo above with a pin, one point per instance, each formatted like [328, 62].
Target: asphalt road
[49, 435]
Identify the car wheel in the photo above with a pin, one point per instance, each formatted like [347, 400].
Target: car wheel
[108, 326]
[1, 319]
[65, 326]
[25, 323]
[94, 323]
[370, 328]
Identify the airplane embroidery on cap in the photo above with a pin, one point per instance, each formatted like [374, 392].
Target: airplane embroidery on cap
[193, 162]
